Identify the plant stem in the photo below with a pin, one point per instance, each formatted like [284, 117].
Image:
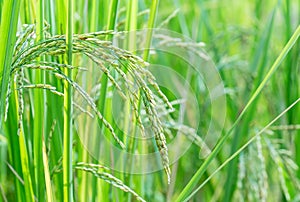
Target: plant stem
[68, 133]
[151, 22]
[130, 44]
[39, 115]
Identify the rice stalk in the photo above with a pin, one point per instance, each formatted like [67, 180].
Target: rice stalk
[40, 112]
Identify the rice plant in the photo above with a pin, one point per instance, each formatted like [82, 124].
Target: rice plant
[149, 100]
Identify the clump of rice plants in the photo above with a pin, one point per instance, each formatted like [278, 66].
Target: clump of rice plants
[109, 100]
[105, 55]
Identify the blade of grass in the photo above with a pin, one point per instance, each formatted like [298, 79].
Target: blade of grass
[9, 22]
[195, 179]
[25, 168]
[29, 196]
[7, 41]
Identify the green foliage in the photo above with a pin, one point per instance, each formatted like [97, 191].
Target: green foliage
[62, 66]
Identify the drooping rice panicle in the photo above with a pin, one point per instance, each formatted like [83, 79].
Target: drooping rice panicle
[19, 84]
[107, 73]
[263, 177]
[52, 89]
[83, 110]
[241, 175]
[286, 127]
[7, 99]
[102, 53]
[24, 39]
[156, 125]
[84, 95]
[46, 66]
[57, 167]
[40, 85]
[92, 165]
[109, 179]
[158, 133]
[133, 96]
[168, 19]
[94, 108]
[151, 80]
